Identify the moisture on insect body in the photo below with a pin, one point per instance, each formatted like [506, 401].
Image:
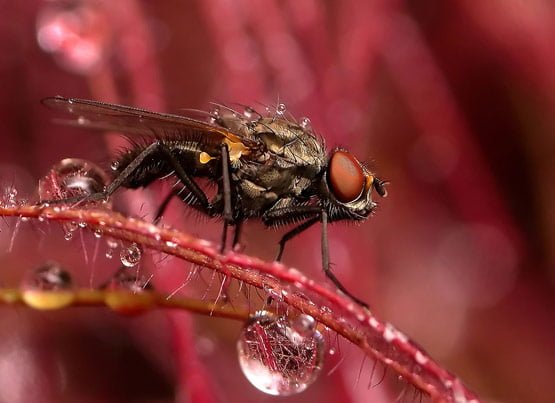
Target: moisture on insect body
[266, 167]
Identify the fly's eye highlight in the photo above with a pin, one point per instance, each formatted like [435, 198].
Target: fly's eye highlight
[345, 176]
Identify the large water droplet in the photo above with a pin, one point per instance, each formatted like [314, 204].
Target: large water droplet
[48, 287]
[49, 277]
[72, 177]
[76, 33]
[126, 280]
[280, 356]
[126, 293]
[131, 255]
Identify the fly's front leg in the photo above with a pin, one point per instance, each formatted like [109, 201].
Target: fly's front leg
[326, 262]
[293, 233]
[287, 213]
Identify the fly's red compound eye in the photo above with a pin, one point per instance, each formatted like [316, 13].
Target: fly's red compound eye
[345, 177]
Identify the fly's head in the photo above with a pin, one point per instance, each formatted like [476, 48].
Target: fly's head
[348, 185]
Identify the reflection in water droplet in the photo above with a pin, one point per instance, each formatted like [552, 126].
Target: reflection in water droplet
[131, 255]
[97, 233]
[278, 356]
[72, 177]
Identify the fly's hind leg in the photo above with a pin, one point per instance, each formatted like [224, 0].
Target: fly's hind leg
[131, 168]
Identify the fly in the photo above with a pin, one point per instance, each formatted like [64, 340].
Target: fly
[264, 167]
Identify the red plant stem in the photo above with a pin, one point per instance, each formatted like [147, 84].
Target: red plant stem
[377, 339]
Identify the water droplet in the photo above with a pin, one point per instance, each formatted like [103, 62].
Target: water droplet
[97, 233]
[76, 33]
[249, 112]
[9, 197]
[82, 224]
[72, 178]
[114, 165]
[280, 357]
[68, 236]
[49, 277]
[131, 255]
[305, 123]
[281, 109]
[109, 253]
[112, 243]
[48, 287]
[128, 281]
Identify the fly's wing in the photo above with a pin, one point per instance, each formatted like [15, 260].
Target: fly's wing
[127, 119]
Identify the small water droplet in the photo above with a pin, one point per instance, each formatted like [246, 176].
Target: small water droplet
[114, 165]
[97, 233]
[112, 243]
[82, 224]
[276, 358]
[281, 109]
[305, 123]
[248, 112]
[68, 236]
[131, 255]
[109, 253]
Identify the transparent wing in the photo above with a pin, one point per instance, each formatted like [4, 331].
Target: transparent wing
[127, 119]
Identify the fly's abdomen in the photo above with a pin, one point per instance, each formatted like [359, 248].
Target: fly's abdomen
[157, 165]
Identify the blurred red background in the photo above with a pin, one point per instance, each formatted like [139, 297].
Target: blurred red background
[452, 102]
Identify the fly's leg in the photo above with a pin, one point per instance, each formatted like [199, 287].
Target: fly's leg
[228, 209]
[237, 233]
[286, 214]
[293, 233]
[312, 214]
[130, 169]
[326, 262]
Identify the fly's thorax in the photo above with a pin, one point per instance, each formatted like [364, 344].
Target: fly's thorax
[294, 145]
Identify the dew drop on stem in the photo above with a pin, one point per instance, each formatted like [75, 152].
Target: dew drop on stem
[50, 276]
[131, 255]
[278, 355]
[47, 287]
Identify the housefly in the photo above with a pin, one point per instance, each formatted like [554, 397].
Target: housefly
[265, 167]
